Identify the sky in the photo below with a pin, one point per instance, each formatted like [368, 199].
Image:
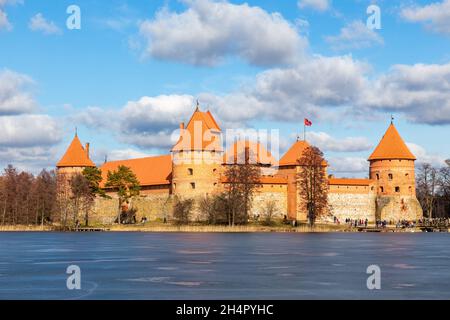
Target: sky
[134, 70]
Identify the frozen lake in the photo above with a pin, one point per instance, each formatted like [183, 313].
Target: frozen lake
[224, 265]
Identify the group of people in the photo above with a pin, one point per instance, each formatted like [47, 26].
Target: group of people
[354, 222]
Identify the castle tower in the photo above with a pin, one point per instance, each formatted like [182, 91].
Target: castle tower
[197, 157]
[74, 161]
[392, 170]
[290, 167]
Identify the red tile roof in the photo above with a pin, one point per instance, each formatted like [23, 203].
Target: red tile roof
[149, 171]
[201, 133]
[291, 157]
[257, 153]
[75, 156]
[294, 153]
[392, 146]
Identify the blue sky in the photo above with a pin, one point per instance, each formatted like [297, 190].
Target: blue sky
[136, 68]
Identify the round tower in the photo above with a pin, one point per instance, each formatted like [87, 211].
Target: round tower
[197, 157]
[392, 165]
[73, 162]
[393, 172]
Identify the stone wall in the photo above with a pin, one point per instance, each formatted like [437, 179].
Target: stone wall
[397, 208]
[270, 192]
[352, 206]
[153, 206]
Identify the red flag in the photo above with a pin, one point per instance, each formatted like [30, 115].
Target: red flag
[308, 123]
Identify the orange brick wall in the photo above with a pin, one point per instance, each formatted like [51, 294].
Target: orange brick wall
[402, 176]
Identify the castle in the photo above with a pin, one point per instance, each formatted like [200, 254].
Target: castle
[196, 163]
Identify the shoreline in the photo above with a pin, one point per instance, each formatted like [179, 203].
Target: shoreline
[170, 228]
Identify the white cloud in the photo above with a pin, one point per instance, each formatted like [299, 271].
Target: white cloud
[208, 31]
[29, 131]
[31, 159]
[288, 94]
[29, 142]
[319, 5]
[424, 157]
[39, 23]
[420, 91]
[325, 142]
[5, 24]
[125, 154]
[355, 35]
[348, 167]
[15, 94]
[435, 16]
[95, 117]
[150, 121]
[150, 114]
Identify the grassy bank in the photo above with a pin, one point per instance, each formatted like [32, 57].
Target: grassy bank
[25, 228]
[161, 227]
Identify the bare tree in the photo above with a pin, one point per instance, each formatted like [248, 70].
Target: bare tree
[313, 183]
[182, 210]
[44, 196]
[82, 198]
[214, 209]
[270, 210]
[242, 181]
[427, 183]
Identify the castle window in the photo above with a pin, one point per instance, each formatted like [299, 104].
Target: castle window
[397, 189]
[410, 189]
[214, 170]
[193, 185]
[191, 171]
[390, 176]
[381, 189]
[407, 175]
[378, 176]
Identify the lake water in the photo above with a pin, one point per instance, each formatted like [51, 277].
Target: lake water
[224, 265]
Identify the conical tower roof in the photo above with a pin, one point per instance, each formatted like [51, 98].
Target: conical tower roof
[295, 152]
[392, 147]
[196, 138]
[75, 156]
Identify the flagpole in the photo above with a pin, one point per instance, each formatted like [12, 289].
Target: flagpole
[304, 131]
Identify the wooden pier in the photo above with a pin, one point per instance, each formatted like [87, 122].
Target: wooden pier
[83, 229]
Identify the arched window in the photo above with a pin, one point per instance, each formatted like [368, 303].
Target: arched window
[397, 189]
[381, 189]
[193, 185]
[390, 176]
[378, 176]
[191, 171]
